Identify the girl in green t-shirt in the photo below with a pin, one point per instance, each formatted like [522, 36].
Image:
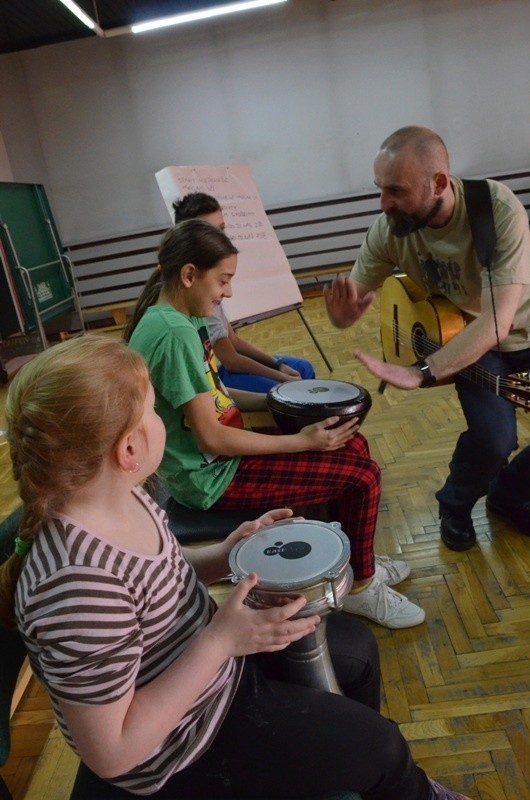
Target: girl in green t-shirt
[211, 461]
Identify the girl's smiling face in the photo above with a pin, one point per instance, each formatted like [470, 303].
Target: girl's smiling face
[209, 287]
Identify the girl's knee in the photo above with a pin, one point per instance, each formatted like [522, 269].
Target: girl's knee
[395, 754]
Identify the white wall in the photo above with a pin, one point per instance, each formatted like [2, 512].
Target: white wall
[303, 93]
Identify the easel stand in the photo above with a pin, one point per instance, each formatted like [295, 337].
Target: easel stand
[264, 275]
[315, 341]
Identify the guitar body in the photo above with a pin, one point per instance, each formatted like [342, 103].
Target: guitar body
[414, 324]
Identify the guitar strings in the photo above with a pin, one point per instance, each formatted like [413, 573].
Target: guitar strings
[480, 374]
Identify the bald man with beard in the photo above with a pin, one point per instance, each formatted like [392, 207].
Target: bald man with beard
[424, 231]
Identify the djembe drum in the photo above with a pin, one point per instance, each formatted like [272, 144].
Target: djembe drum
[297, 557]
[295, 404]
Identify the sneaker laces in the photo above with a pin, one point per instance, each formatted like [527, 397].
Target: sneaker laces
[393, 573]
[386, 600]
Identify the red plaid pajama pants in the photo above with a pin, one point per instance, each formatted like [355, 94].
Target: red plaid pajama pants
[347, 479]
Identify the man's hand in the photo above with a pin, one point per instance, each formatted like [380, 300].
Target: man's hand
[344, 303]
[395, 374]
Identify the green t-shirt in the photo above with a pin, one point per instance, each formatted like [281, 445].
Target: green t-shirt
[181, 365]
[443, 260]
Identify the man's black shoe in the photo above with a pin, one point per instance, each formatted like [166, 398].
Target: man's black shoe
[457, 531]
[517, 514]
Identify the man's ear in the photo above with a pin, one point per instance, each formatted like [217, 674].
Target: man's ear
[188, 273]
[441, 182]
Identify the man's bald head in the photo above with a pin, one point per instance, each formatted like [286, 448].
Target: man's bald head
[411, 170]
[422, 143]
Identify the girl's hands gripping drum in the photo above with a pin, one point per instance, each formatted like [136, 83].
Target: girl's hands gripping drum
[239, 630]
[246, 529]
[212, 563]
[323, 436]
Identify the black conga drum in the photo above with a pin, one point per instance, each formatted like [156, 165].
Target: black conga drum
[292, 558]
[295, 404]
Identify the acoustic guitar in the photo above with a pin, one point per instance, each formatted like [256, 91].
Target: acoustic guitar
[415, 324]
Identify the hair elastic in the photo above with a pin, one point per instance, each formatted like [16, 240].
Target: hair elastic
[22, 546]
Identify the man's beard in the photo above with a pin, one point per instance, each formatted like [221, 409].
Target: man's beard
[404, 224]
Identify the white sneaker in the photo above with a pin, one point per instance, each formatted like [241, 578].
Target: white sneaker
[389, 571]
[384, 605]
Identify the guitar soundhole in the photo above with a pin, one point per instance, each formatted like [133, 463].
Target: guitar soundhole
[420, 341]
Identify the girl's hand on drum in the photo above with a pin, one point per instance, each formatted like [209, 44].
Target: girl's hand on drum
[211, 563]
[320, 436]
[241, 630]
[248, 528]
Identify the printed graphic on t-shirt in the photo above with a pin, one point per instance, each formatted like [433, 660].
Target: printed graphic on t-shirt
[441, 277]
[225, 408]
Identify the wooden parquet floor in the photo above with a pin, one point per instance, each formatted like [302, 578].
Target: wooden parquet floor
[457, 685]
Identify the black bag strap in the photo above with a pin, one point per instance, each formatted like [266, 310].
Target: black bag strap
[479, 208]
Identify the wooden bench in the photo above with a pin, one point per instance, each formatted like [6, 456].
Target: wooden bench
[320, 239]
[118, 311]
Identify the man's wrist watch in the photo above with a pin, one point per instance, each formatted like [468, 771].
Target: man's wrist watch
[427, 378]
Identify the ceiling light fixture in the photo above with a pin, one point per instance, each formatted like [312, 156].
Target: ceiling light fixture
[79, 13]
[207, 13]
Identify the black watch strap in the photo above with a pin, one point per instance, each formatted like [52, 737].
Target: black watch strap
[427, 378]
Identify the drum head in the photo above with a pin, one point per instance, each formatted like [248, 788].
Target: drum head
[306, 394]
[292, 554]
[295, 404]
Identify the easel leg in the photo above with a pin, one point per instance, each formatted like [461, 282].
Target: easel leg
[317, 345]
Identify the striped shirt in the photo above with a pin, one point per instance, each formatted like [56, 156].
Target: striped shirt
[97, 620]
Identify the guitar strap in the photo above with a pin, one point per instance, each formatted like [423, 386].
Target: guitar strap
[479, 209]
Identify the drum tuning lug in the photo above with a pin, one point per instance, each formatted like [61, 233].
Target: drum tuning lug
[333, 601]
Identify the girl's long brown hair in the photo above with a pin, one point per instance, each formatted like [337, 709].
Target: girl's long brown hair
[190, 242]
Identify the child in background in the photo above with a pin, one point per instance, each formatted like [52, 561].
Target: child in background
[242, 365]
[157, 690]
[210, 460]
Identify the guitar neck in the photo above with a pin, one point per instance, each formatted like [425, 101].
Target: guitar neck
[514, 387]
[482, 376]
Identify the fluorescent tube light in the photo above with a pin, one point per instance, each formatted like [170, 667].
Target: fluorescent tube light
[206, 13]
[79, 13]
